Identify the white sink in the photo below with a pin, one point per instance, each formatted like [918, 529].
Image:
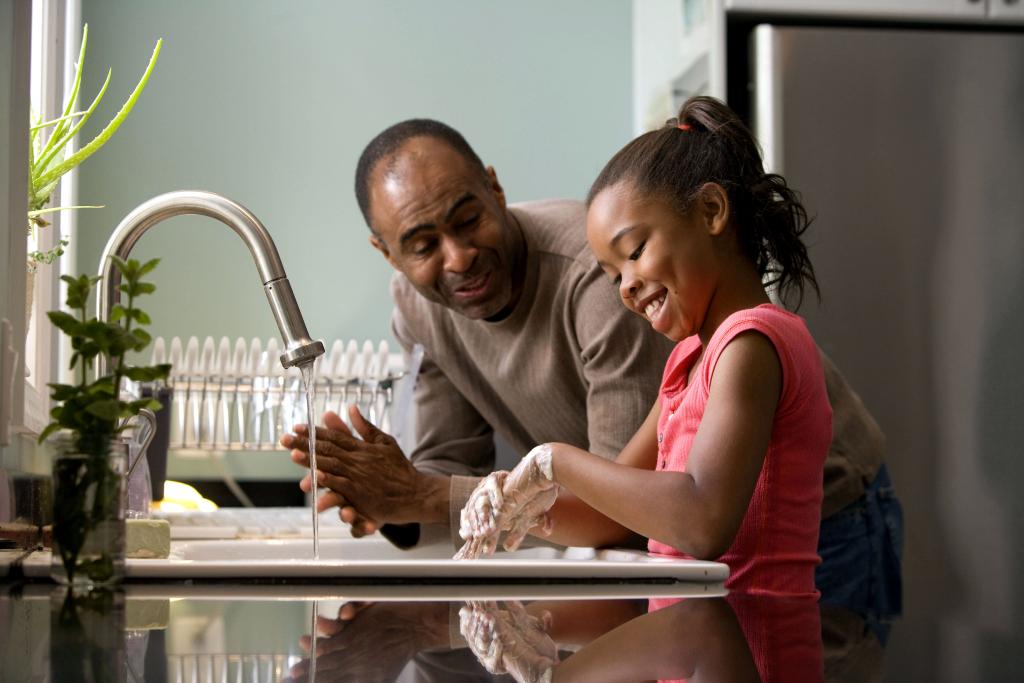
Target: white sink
[375, 558]
[372, 549]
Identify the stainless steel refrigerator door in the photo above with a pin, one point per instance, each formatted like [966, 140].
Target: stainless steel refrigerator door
[908, 147]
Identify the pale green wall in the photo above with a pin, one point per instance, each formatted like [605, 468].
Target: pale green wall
[271, 103]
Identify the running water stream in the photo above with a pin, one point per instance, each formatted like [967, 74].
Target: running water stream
[312, 635]
[309, 379]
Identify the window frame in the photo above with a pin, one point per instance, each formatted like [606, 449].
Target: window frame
[56, 39]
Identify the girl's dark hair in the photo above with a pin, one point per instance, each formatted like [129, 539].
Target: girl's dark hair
[709, 143]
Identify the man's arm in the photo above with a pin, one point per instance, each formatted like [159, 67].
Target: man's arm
[857, 446]
[451, 438]
[623, 361]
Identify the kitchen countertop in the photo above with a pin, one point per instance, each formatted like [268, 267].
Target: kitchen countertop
[220, 632]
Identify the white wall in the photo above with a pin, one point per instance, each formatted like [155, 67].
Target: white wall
[271, 103]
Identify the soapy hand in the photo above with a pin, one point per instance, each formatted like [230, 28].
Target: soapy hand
[509, 640]
[515, 502]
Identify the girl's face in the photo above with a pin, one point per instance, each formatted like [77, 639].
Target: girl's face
[663, 262]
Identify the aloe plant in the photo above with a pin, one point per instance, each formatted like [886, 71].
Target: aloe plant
[47, 162]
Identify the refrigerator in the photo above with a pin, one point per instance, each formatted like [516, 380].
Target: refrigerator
[908, 147]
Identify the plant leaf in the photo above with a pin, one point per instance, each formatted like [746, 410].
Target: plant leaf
[78, 291]
[64, 134]
[150, 403]
[134, 289]
[109, 409]
[148, 266]
[142, 339]
[44, 164]
[50, 429]
[73, 95]
[147, 374]
[52, 209]
[123, 267]
[104, 135]
[62, 392]
[65, 322]
[46, 124]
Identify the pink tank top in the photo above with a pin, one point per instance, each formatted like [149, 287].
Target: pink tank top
[776, 548]
[783, 635]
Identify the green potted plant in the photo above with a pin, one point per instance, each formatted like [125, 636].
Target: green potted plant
[48, 161]
[88, 420]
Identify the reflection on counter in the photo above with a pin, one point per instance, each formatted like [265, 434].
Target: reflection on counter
[215, 633]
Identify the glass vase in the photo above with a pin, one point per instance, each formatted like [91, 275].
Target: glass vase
[88, 514]
[87, 636]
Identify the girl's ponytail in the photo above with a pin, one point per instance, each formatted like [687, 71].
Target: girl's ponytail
[707, 142]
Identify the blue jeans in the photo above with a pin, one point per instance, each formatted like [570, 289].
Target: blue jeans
[860, 548]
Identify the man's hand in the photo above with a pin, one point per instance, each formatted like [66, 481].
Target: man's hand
[372, 641]
[359, 525]
[370, 476]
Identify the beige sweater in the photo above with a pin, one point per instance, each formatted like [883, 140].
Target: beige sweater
[570, 364]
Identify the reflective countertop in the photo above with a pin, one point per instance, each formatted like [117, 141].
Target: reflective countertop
[591, 632]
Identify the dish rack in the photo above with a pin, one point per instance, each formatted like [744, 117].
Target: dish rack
[225, 397]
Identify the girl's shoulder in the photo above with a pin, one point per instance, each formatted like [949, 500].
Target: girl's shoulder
[781, 326]
[786, 331]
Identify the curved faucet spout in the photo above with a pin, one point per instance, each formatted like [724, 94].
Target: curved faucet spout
[299, 348]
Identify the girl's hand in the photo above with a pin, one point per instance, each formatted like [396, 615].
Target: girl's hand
[478, 524]
[515, 501]
[509, 640]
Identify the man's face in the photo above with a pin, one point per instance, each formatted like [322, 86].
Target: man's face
[441, 221]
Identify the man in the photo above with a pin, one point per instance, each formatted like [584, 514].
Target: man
[521, 329]
[523, 335]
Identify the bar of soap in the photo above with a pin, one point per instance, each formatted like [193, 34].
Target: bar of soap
[145, 615]
[147, 538]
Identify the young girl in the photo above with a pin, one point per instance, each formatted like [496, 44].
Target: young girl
[728, 465]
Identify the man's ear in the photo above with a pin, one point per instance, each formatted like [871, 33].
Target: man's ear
[380, 246]
[495, 186]
[714, 208]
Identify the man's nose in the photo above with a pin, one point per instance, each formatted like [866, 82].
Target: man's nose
[459, 255]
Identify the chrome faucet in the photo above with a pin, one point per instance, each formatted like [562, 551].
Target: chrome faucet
[299, 348]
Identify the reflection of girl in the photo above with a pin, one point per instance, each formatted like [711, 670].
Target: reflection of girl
[779, 636]
[738, 638]
[729, 462]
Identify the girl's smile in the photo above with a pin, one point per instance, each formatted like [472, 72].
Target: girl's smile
[654, 303]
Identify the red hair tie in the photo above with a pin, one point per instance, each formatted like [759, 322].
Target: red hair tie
[683, 126]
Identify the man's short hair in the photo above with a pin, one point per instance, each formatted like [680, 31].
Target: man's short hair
[387, 143]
